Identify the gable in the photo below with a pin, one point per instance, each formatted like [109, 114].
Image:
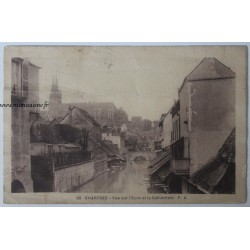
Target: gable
[77, 118]
[210, 68]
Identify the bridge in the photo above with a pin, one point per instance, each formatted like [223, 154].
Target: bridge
[147, 155]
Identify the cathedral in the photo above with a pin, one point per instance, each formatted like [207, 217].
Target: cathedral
[102, 112]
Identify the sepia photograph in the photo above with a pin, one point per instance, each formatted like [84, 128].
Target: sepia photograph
[125, 124]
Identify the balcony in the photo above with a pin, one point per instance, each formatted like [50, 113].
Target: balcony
[180, 148]
[179, 166]
[18, 95]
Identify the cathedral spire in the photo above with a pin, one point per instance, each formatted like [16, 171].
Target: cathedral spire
[55, 93]
[54, 86]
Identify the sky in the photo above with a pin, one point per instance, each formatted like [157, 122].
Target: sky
[144, 81]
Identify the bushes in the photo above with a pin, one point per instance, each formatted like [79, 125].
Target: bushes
[59, 133]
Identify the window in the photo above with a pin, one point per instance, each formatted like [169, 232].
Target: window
[110, 114]
[50, 149]
[16, 75]
[175, 133]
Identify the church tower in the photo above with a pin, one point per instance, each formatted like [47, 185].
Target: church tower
[55, 100]
[55, 94]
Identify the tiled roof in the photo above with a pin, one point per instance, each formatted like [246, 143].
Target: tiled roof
[108, 150]
[210, 68]
[158, 162]
[227, 151]
[88, 116]
[158, 158]
[56, 121]
[83, 113]
[210, 175]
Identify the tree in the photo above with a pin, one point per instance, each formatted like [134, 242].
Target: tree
[120, 117]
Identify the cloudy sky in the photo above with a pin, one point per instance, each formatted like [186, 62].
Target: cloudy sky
[142, 80]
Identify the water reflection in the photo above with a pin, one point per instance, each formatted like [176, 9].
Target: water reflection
[131, 179]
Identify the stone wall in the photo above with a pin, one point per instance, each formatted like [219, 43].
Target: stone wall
[100, 167]
[70, 177]
[212, 118]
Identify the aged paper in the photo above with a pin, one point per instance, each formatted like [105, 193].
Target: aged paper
[125, 124]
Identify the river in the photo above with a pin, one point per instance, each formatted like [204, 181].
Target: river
[131, 179]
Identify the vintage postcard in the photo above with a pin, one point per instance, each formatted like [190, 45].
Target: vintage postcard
[125, 124]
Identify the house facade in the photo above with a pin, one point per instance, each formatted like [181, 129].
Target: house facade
[196, 126]
[24, 81]
[207, 110]
[116, 136]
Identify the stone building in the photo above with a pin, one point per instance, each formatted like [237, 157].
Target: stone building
[116, 136]
[24, 90]
[207, 110]
[196, 126]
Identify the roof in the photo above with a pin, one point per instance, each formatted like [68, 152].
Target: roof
[210, 68]
[94, 105]
[88, 116]
[175, 108]
[83, 113]
[158, 158]
[34, 65]
[163, 116]
[158, 162]
[227, 151]
[56, 121]
[210, 175]
[108, 150]
[19, 59]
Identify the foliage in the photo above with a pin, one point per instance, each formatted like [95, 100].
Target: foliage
[121, 116]
[59, 133]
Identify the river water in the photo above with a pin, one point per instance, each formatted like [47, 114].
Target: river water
[132, 179]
